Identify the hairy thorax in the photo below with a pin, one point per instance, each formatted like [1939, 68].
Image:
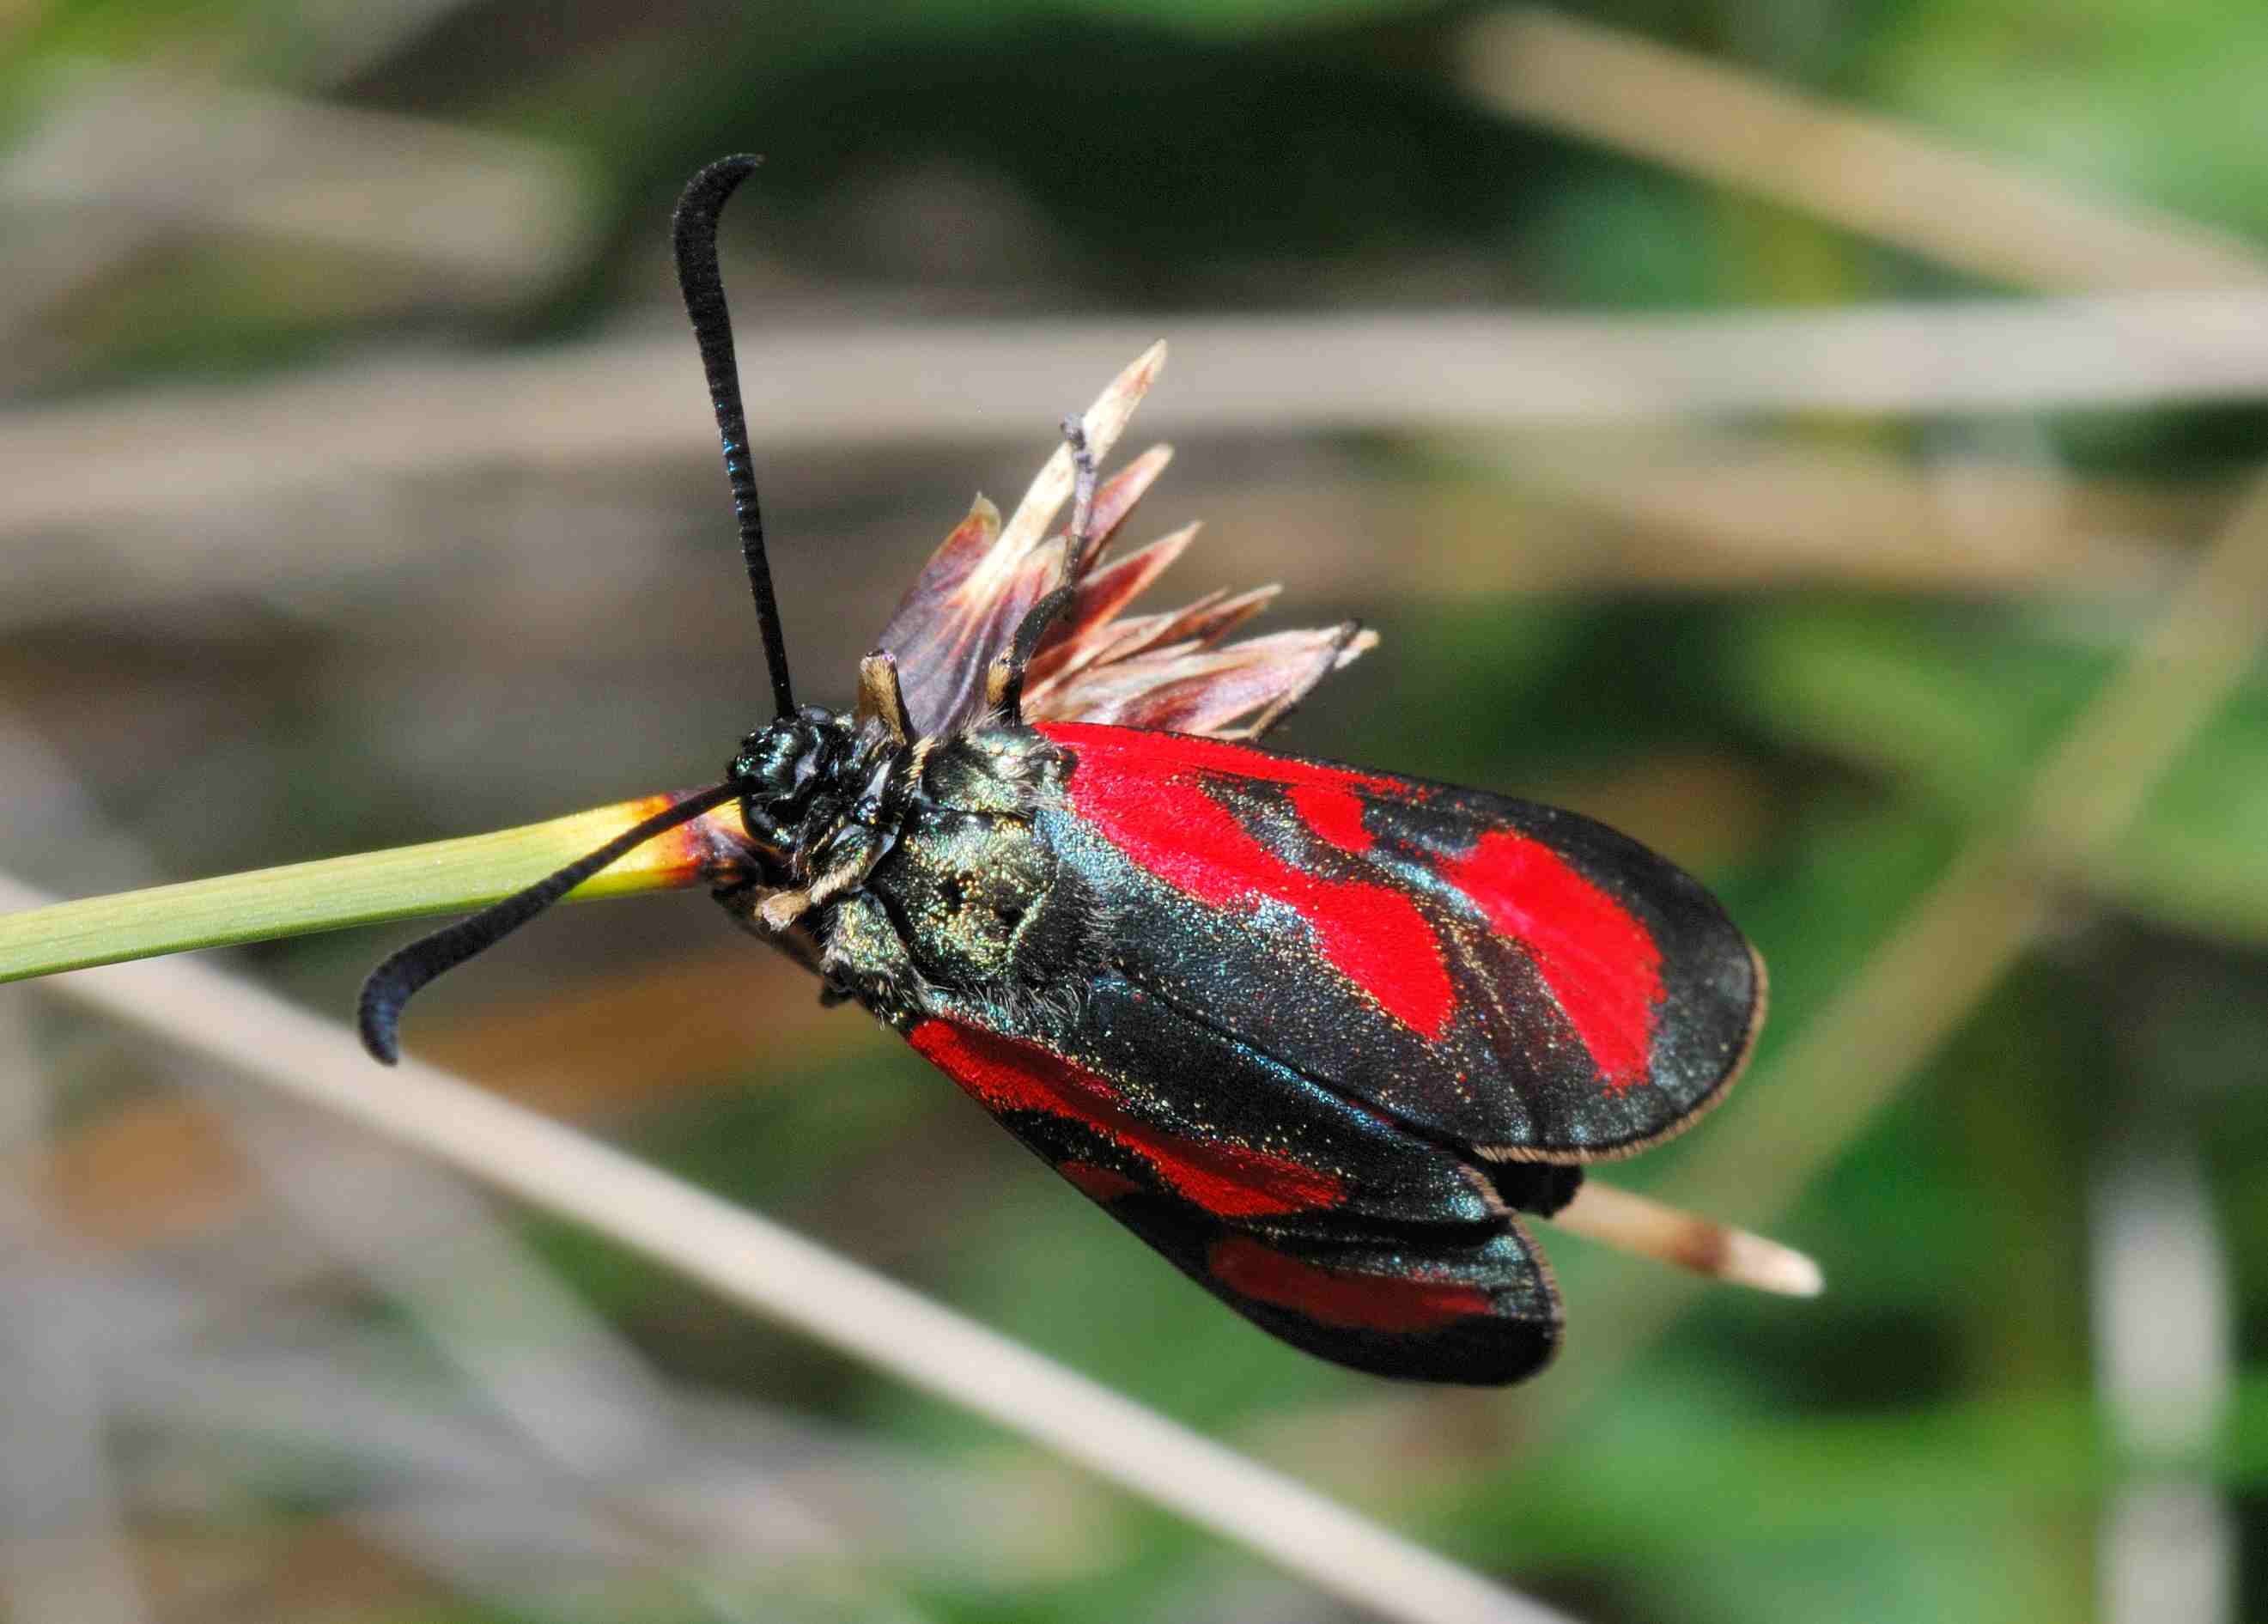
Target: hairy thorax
[971, 904]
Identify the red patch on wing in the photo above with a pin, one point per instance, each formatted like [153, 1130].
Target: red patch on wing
[1228, 1180]
[1601, 964]
[1361, 1302]
[1334, 812]
[1098, 1184]
[1159, 753]
[1145, 792]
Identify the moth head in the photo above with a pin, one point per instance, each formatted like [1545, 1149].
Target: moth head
[782, 767]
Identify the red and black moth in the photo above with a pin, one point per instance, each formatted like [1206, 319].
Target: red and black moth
[1325, 1037]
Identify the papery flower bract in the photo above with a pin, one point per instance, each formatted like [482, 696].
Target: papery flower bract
[1175, 670]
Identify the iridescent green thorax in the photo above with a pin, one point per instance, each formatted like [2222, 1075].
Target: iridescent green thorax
[909, 870]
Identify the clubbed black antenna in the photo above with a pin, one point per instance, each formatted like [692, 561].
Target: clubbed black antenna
[394, 983]
[694, 232]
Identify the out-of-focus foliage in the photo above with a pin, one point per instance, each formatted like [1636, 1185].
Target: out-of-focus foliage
[1936, 1439]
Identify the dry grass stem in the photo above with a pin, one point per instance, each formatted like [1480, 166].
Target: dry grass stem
[120, 162]
[1894, 182]
[1744, 512]
[167, 452]
[1688, 1241]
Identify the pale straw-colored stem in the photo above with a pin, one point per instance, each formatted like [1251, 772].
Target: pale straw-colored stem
[107, 465]
[1652, 1229]
[1897, 182]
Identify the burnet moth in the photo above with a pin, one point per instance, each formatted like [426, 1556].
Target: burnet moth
[1324, 1037]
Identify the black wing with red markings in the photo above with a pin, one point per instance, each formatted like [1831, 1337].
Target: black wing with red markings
[1344, 1028]
[1503, 976]
[1315, 1217]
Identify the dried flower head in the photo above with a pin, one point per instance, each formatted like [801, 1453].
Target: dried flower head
[1175, 670]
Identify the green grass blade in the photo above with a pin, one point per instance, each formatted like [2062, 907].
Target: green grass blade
[441, 876]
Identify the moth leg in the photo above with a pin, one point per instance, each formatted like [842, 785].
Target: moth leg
[882, 700]
[865, 956]
[1080, 536]
[1078, 539]
[782, 909]
[1004, 678]
[740, 900]
[779, 910]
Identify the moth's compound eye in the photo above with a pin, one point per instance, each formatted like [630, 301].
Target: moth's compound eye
[785, 758]
[782, 771]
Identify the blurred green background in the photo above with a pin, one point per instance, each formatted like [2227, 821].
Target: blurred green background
[1776, 428]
